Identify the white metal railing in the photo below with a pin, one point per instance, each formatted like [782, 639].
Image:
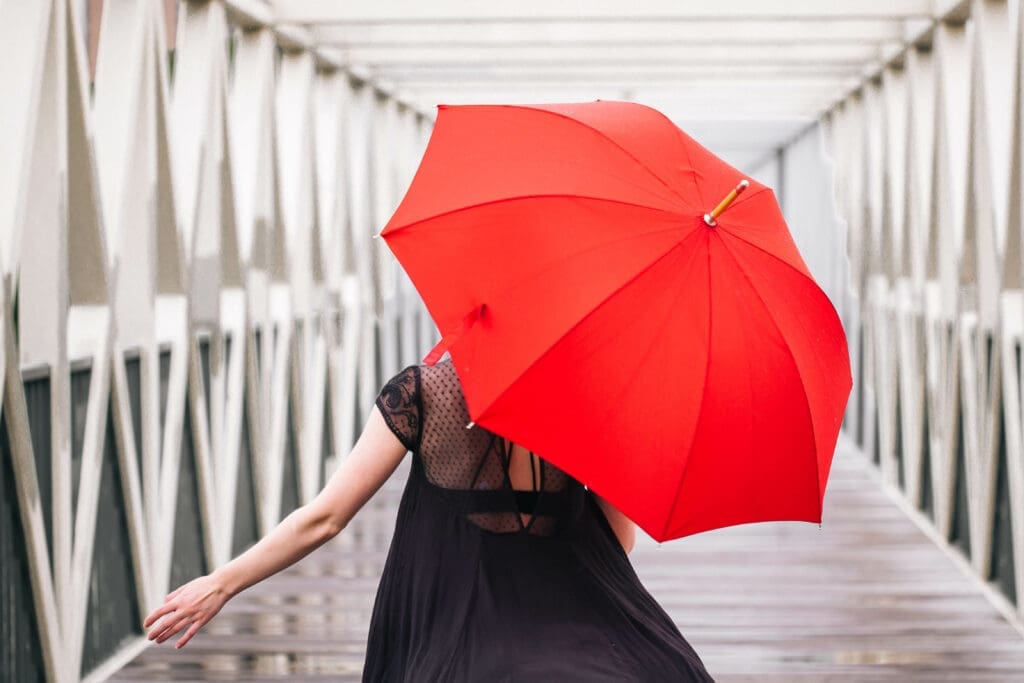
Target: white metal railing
[176, 219]
[929, 161]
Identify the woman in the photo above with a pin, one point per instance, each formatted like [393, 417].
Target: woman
[501, 567]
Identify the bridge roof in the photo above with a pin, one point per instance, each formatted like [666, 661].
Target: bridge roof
[745, 74]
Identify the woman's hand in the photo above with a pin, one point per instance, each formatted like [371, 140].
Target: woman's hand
[195, 603]
[373, 458]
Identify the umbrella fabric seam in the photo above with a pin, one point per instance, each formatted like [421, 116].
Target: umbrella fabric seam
[792, 356]
[604, 135]
[650, 346]
[780, 260]
[572, 327]
[689, 160]
[470, 207]
[603, 245]
[700, 412]
[661, 325]
[456, 335]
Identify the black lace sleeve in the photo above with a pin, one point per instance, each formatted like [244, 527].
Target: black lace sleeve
[400, 403]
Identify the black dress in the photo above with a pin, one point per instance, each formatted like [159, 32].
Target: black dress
[471, 593]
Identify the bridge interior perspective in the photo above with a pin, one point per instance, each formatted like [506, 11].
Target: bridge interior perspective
[195, 317]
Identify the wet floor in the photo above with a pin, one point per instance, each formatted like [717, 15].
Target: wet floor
[867, 597]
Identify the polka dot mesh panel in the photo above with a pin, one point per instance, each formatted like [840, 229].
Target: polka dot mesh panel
[425, 407]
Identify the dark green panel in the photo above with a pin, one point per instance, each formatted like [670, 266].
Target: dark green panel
[188, 560]
[1002, 532]
[113, 610]
[927, 500]
[204, 365]
[80, 379]
[290, 480]
[898, 446]
[876, 441]
[16, 309]
[989, 358]
[246, 531]
[258, 349]
[37, 401]
[21, 656]
[165, 379]
[326, 437]
[960, 532]
[378, 372]
[133, 373]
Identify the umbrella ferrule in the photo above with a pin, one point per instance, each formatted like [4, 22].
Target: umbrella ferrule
[709, 218]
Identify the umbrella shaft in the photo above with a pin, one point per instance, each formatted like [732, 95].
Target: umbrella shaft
[709, 218]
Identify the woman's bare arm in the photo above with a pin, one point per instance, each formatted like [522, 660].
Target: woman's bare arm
[373, 458]
[623, 526]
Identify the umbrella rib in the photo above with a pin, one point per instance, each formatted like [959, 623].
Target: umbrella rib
[579, 322]
[807, 405]
[778, 258]
[700, 411]
[604, 135]
[590, 249]
[499, 200]
[689, 160]
[613, 405]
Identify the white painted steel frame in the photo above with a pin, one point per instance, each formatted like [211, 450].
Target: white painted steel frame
[929, 154]
[147, 215]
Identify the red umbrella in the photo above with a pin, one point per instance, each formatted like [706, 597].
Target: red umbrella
[686, 368]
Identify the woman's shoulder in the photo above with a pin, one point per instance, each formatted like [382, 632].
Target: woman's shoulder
[427, 389]
[439, 379]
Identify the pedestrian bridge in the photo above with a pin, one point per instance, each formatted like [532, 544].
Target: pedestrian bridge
[195, 319]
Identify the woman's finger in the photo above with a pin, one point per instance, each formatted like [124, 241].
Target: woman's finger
[173, 628]
[188, 635]
[159, 612]
[158, 634]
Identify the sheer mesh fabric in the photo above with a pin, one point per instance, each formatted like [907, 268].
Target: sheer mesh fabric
[425, 407]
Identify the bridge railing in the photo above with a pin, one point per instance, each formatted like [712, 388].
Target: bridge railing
[194, 317]
[928, 161]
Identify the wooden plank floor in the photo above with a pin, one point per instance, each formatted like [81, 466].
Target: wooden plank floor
[866, 597]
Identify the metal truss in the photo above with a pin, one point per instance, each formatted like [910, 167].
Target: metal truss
[928, 154]
[192, 250]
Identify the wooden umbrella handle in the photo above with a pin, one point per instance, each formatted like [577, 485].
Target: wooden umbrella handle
[709, 218]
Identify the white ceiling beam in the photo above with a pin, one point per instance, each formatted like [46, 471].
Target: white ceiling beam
[638, 31]
[760, 88]
[408, 11]
[654, 73]
[742, 100]
[718, 53]
[680, 110]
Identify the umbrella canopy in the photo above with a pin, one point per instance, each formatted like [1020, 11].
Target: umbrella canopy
[687, 369]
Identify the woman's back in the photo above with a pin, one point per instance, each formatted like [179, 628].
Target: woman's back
[484, 583]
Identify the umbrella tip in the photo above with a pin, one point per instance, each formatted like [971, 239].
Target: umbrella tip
[470, 425]
[709, 218]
